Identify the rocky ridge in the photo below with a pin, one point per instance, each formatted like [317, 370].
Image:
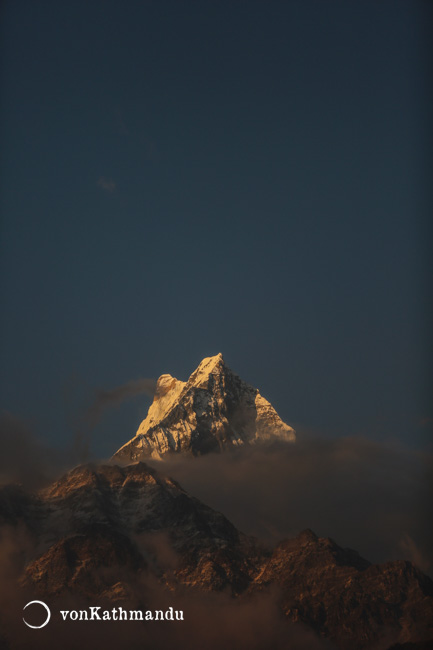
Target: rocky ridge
[107, 515]
[108, 532]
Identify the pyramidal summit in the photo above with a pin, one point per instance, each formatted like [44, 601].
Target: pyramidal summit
[213, 411]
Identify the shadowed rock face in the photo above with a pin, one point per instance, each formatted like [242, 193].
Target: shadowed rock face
[119, 518]
[345, 598]
[108, 532]
[213, 411]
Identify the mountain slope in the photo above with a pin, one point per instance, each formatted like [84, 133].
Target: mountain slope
[213, 411]
[112, 533]
[106, 515]
[343, 597]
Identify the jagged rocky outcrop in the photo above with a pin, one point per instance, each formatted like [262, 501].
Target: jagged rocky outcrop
[110, 532]
[121, 517]
[213, 411]
[344, 598]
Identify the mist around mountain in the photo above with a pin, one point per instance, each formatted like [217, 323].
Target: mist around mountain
[106, 535]
[247, 531]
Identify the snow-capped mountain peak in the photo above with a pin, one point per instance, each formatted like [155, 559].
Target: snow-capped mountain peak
[209, 366]
[214, 410]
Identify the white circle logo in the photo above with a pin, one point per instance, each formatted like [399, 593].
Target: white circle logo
[38, 602]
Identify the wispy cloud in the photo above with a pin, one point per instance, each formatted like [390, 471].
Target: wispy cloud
[371, 496]
[26, 459]
[106, 184]
[84, 418]
[104, 399]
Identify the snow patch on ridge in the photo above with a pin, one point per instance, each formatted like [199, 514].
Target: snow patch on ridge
[168, 389]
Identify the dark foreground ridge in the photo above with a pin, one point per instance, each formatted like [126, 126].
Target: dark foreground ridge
[123, 534]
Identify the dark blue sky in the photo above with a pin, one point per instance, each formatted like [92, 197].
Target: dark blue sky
[183, 178]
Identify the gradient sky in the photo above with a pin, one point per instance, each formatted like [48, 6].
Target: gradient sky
[184, 178]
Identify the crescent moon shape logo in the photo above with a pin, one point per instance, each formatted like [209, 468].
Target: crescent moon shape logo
[38, 602]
